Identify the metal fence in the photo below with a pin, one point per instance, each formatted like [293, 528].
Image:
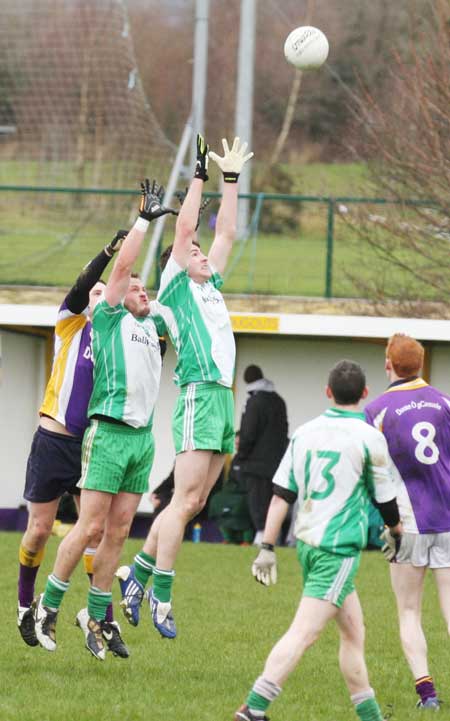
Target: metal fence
[298, 245]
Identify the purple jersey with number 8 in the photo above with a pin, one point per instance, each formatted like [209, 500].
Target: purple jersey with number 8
[415, 419]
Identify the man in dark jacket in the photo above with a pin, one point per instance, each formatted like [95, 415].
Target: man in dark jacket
[263, 441]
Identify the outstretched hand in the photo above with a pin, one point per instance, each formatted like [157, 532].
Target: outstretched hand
[151, 206]
[233, 160]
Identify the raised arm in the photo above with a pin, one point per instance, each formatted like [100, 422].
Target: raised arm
[231, 165]
[77, 298]
[188, 216]
[150, 208]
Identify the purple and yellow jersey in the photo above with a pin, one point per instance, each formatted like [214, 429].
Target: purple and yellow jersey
[415, 419]
[70, 385]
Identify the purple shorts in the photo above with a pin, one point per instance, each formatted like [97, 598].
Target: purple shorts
[54, 466]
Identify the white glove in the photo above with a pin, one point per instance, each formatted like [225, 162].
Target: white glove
[264, 567]
[391, 545]
[233, 160]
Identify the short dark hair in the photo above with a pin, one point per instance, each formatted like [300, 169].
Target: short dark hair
[347, 382]
[253, 373]
[165, 255]
[135, 275]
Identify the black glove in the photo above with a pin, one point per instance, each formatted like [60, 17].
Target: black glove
[201, 166]
[116, 243]
[151, 206]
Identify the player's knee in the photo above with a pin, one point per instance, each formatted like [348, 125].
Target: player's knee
[190, 506]
[118, 534]
[312, 636]
[354, 636]
[93, 531]
[39, 531]
[303, 638]
[95, 540]
[123, 532]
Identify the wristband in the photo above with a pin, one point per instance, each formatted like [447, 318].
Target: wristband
[141, 224]
[230, 177]
[201, 173]
[267, 546]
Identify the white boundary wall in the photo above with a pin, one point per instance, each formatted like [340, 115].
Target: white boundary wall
[294, 351]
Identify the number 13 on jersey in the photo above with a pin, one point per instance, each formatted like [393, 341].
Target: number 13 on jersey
[327, 460]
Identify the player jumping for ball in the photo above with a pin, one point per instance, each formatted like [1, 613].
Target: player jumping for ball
[203, 424]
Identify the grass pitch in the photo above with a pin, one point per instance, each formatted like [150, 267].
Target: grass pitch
[227, 625]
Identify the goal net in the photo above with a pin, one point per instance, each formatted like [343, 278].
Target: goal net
[74, 115]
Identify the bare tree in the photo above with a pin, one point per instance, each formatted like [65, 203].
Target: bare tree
[409, 142]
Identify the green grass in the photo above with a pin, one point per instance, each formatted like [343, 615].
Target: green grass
[227, 625]
[336, 179]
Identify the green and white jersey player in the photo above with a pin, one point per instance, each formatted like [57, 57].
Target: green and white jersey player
[117, 452]
[332, 466]
[199, 326]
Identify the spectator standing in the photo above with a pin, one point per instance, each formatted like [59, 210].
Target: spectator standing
[263, 441]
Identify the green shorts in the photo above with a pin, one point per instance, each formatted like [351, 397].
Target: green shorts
[116, 458]
[327, 576]
[204, 418]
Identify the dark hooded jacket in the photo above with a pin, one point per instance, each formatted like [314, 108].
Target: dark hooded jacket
[263, 431]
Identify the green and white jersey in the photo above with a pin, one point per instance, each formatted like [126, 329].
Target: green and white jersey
[199, 326]
[127, 365]
[333, 464]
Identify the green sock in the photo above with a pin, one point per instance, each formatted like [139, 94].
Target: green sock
[162, 584]
[54, 592]
[256, 702]
[248, 535]
[98, 602]
[369, 710]
[227, 535]
[143, 567]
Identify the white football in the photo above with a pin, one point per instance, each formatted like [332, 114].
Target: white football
[306, 48]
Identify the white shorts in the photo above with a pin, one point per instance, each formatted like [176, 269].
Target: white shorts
[425, 549]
